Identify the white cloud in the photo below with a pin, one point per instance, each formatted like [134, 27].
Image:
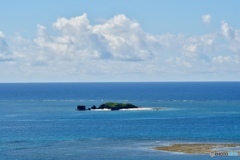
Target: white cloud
[179, 61]
[232, 35]
[118, 38]
[206, 19]
[191, 48]
[222, 59]
[5, 54]
[72, 26]
[227, 60]
[199, 47]
[1, 35]
[3, 44]
[125, 39]
[227, 31]
[4, 49]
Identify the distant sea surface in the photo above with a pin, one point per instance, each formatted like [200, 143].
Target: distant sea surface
[39, 121]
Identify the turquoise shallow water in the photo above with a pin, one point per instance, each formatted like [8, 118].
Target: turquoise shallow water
[40, 121]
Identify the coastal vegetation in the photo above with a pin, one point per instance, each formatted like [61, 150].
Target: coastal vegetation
[116, 106]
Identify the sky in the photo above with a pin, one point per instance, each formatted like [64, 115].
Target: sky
[119, 41]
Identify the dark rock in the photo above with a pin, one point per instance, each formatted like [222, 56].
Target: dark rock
[115, 109]
[93, 107]
[81, 108]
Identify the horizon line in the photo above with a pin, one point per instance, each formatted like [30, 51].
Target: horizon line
[119, 82]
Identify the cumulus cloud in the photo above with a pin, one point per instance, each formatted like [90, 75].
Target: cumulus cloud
[222, 59]
[206, 19]
[1, 35]
[3, 44]
[4, 49]
[179, 61]
[232, 35]
[117, 38]
[227, 31]
[190, 48]
[199, 47]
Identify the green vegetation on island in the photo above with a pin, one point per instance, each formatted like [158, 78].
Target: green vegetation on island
[116, 106]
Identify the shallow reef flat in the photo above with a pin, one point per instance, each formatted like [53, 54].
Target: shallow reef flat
[195, 148]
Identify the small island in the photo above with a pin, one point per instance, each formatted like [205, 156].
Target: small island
[113, 106]
[116, 106]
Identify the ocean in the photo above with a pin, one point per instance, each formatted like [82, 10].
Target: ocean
[39, 121]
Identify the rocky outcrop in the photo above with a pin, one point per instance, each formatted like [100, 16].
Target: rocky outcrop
[81, 108]
[94, 107]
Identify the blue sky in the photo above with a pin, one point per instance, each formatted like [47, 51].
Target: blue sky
[157, 17]
[78, 41]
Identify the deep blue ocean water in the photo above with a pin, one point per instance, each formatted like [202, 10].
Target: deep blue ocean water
[39, 121]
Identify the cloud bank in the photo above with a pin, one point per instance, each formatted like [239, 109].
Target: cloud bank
[118, 49]
[118, 38]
